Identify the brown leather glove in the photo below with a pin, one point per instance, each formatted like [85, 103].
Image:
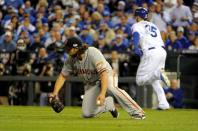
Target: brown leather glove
[56, 104]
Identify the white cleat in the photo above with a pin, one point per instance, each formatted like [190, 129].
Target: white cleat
[164, 78]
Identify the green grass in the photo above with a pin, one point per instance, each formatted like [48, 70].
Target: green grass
[18, 118]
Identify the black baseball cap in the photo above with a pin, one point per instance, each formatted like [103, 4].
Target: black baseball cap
[72, 42]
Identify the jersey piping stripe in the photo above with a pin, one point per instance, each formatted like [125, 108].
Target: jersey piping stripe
[63, 75]
[101, 71]
[132, 103]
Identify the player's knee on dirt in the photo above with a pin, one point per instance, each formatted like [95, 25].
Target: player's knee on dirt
[87, 115]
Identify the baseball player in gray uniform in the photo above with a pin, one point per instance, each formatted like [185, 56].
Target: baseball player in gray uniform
[101, 83]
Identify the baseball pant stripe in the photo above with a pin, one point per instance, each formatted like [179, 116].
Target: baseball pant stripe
[134, 104]
[63, 75]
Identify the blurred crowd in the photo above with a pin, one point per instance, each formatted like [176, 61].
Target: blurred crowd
[32, 32]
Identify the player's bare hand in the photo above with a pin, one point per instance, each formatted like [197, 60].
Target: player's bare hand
[50, 97]
[100, 100]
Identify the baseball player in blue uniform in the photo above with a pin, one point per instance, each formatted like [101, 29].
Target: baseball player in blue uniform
[101, 82]
[149, 45]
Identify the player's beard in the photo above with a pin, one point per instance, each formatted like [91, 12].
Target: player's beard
[77, 56]
[80, 56]
[73, 56]
[81, 51]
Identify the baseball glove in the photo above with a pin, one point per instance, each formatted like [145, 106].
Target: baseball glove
[56, 104]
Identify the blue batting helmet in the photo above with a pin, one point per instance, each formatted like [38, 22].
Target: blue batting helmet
[141, 12]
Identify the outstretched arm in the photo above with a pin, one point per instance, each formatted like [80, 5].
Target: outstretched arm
[54, 101]
[58, 85]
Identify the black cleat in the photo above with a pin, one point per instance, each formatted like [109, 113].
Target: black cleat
[138, 116]
[160, 109]
[114, 113]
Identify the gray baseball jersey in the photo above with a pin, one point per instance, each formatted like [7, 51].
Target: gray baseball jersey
[90, 68]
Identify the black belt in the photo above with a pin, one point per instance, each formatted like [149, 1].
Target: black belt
[154, 48]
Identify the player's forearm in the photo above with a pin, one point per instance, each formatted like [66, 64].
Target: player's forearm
[104, 82]
[136, 39]
[59, 83]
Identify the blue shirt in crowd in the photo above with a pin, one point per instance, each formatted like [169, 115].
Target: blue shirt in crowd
[176, 101]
